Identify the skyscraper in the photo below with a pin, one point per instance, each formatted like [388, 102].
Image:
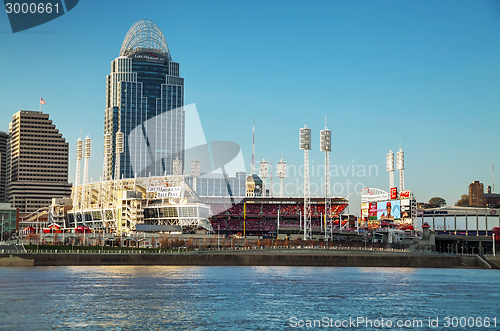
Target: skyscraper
[476, 194]
[144, 100]
[4, 138]
[37, 162]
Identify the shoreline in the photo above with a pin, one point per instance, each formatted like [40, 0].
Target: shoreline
[275, 257]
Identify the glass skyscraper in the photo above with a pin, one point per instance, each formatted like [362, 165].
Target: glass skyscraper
[144, 100]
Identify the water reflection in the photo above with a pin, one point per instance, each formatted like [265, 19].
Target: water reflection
[204, 298]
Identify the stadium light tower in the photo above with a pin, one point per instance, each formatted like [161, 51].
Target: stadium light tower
[263, 174]
[305, 144]
[108, 149]
[281, 174]
[195, 171]
[118, 152]
[177, 167]
[326, 146]
[401, 168]
[88, 153]
[79, 157]
[390, 168]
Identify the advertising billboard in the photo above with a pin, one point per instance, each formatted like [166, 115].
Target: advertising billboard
[372, 211]
[364, 210]
[404, 194]
[394, 193]
[389, 210]
[405, 208]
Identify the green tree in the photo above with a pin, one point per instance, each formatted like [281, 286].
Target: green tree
[437, 202]
[464, 200]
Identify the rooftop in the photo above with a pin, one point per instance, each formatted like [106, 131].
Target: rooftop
[144, 36]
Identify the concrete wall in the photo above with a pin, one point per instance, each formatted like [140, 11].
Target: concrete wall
[254, 258]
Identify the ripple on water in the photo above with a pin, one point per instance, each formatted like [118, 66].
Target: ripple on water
[204, 298]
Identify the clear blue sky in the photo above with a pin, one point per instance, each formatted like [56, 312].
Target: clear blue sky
[423, 72]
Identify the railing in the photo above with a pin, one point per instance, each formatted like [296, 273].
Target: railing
[132, 250]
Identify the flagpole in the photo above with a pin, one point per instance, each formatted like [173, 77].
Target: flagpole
[40, 107]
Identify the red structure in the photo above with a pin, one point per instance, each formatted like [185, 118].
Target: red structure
[259, 216]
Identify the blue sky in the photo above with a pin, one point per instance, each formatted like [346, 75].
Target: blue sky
[426, 73]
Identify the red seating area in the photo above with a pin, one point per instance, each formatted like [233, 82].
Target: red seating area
[289, 210]
[252, 225]
[259, 225]
[266, 219]
[253, 209]
[235, 210]
[219, 208]
[272, 209]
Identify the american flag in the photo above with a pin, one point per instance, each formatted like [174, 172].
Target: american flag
[42, 102]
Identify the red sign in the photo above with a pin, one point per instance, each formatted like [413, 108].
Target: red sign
[404, 194]
[372, 211]
[394, 193]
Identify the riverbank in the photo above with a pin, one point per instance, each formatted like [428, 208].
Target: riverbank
[274, 257]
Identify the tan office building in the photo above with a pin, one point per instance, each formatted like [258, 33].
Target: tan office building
[4, 138]
[37, 162]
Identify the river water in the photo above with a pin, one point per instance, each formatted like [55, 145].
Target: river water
[255, 298]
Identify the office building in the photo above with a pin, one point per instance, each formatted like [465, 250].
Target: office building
[4, 138]
[8, 221]
[476, 194]
[37, 162]
[144, 100]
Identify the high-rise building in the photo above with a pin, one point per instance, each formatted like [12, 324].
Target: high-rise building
[476, 194]
[4, 138]
[37, 162]
[144, 100]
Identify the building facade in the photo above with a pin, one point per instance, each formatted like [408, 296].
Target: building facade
[8, 221]
[254, 186]
[4, 138]
[144, 101]
[211, 185]
[37, 162]
[476, 194]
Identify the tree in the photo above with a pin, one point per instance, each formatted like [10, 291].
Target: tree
[464, 200]
[437, 202]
